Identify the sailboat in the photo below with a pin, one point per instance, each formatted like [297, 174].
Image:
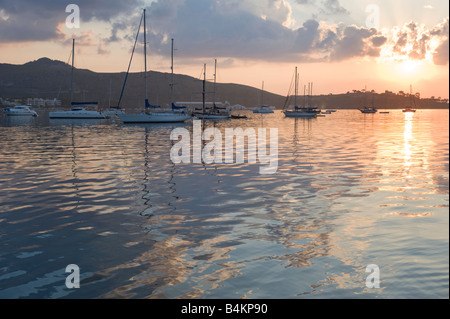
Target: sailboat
[302, 112]
[368, 109]
[166, 116]
[214, 113]
[411, 101]
[264, 108]
[78, 110]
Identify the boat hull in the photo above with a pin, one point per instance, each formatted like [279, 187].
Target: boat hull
[20, 114]
[153, 118]
[409, 111]
[368, 111]
[211, 116]
[19, 111]
[306, 115]
[262, 111]
[76, 115]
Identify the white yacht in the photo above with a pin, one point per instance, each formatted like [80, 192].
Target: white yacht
[154, 117]
[175, 114]
[20, 110]
[77, 112]
[263, 109]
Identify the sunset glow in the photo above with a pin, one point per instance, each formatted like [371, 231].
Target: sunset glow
[252, 40]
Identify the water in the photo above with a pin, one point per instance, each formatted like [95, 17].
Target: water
[351, 190]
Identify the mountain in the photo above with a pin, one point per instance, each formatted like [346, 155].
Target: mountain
[45, 78]
[48, 79]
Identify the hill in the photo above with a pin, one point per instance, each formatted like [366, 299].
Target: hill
[45, 78]
[49, 79]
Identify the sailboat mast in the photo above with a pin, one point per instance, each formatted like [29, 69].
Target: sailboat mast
[204, 87]
[215, 72]
[262, 93]
[73, 59]
[295, 89]
[145, 60]
[171, 68]
[304, 95]
[410, 95]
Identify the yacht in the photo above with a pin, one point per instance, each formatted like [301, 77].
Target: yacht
[411, 102]
[264, 109]
[176, 114]
[77, 112]
[20, 110]
[307, 112]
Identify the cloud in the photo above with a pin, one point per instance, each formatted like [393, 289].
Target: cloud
[418, 42]
[333, 7]
[27, 20]
[327, 7]
[234, 29]
[229, 29]
[441, 53]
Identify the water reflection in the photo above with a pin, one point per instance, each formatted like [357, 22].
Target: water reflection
[140, 226]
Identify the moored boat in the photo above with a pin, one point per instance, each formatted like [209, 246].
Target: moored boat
[20, 110]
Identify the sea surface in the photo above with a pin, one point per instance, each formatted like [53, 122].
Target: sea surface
[350, 190]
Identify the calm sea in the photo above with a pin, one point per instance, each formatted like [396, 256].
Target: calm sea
[351, 190]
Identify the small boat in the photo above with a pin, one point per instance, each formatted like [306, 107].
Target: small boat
[77, 112]
[20, 110]
[368, 109]
[238, 116]
[411, 102]
[264, 109]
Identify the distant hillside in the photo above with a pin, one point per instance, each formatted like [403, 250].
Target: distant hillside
[48, 79]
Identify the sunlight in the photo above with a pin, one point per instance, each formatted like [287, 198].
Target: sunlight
[410, 66]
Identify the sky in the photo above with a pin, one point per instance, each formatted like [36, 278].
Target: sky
[339, 45]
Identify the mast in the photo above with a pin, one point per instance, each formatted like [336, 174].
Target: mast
[215, 72]
[304, 95]
[171, 84]
[145, 61]
[262, 94]
[310, 96]
[295, 89]
[410, 96]
[204, 84]
[73, 59]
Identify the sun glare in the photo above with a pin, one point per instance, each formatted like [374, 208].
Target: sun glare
[410, 66]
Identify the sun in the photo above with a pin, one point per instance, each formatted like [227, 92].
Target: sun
[409, 66]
